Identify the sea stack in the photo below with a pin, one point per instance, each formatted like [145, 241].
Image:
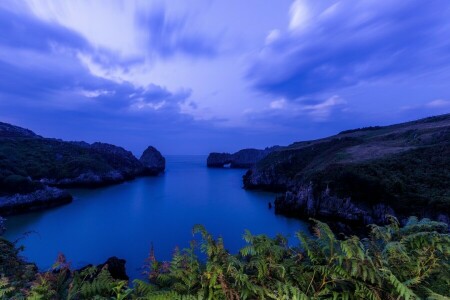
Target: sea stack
[153, 162]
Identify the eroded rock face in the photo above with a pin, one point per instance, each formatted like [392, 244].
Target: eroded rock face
[218, 160]
[243, 159]
[43, 198]
[152, 161]
[302, 202]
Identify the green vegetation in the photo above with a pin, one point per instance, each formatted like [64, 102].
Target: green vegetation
[410, 262]
[46, 158]
[408, 181]
[24, 161]
[406, 166]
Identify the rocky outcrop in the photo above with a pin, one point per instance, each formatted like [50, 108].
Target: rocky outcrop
[43, 198]
[89, 179]
[116, 268]
[245, 158]
[153, 162]
[121, 165]
[31, 164]
[303, 203]
[218, 160]
[359, 176]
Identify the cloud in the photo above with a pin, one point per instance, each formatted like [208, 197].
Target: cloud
[438, 103]
[433, 107]
[278, 104]
[41, 66]
[286, 115]
[332, 45]
[95, 93]
[299, 15]
[167, 36]
[273, 36]
[322, 111]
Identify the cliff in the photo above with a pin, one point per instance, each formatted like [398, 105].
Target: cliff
[360, 175]
[245, 158]
[33, 169]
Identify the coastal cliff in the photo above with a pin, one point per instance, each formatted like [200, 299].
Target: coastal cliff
[359, 176]
[245, 158]
[34, 169]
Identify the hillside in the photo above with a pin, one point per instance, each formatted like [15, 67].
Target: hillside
[360, 175]
[33, 168]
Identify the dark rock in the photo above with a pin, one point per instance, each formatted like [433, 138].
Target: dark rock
[115, 266]
[43, 198]
[153, 162]
[89, 180]
[303, 203]
[243, 159]
[218, 160]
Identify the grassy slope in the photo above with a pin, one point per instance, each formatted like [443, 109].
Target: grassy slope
[25, 158]
[406, 165]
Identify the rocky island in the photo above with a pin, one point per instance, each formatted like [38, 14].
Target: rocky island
[243, 159]
[34, 170]
[359, 176]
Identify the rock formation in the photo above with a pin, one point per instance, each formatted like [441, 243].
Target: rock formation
[153, 162]
[245, 158]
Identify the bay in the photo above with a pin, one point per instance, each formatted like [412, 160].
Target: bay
[125, 219]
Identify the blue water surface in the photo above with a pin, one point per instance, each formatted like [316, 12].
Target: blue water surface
[124, 220]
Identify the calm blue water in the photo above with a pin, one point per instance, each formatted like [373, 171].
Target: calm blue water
[124, 220]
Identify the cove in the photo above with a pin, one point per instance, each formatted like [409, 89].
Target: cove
[124, 220]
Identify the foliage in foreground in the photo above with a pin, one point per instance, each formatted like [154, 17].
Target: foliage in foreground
[410, 262]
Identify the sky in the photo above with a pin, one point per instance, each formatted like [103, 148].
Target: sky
[192, 77]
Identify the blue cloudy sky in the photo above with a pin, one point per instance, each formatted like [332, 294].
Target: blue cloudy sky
[190, 77]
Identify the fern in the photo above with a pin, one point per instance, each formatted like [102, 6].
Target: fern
[394, 262]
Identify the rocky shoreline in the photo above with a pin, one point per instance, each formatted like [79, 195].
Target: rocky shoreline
[359, 176]
[46, 197]
[35, 170]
